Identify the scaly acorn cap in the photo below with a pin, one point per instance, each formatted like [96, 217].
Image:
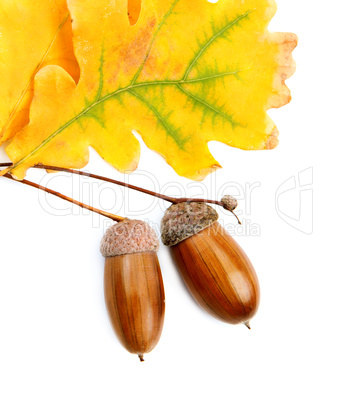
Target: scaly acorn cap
[128, 237]
[229, 202]
[184, 220]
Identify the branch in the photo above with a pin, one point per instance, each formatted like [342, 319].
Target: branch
[64, 197]
[173, 200]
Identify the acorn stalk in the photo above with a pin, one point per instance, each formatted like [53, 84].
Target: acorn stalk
[214, 267]
[133, 284]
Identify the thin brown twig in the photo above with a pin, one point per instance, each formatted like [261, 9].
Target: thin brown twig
[173, 200]
[64, 197]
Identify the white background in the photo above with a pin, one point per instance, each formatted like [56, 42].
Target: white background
[56, 343]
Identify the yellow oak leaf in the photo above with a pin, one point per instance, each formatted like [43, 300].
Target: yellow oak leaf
[33, 34]
[181, 73]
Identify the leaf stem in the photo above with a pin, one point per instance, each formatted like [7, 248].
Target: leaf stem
[173, 200]
[64, 197]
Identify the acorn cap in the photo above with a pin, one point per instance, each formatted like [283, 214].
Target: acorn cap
[229, 202]
[185, 219]
[128, 237]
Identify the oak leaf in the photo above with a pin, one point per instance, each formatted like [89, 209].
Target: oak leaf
[181, 73]
[33, 34]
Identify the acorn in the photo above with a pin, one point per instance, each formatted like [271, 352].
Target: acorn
[133, 285]
[216, 270]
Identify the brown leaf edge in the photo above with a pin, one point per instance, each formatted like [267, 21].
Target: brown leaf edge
[281, 94]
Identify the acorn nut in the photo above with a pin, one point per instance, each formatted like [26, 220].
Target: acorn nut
[216, 270]
[133, 284]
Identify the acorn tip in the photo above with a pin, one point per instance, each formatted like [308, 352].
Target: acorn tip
[141, 357]
[247, 324]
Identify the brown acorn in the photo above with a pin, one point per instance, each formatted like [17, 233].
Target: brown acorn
[216, 270]
[134, 291]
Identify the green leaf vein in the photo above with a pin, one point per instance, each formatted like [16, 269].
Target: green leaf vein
[160, 119]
